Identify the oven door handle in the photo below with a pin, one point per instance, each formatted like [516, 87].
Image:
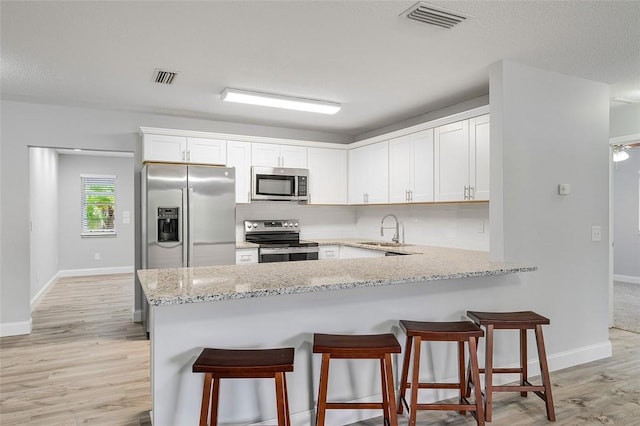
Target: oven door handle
[288, 250]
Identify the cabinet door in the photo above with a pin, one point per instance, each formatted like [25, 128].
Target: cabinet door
[246, 256]
[421, 165]
[239, 156]
[400, 173]
[207, 151]
[327, 176]
[377, 183]
[164, 148]
[357, 172]
[451, 161]
[479, 153]
[328, 252]
[265, 154]
[293, 156]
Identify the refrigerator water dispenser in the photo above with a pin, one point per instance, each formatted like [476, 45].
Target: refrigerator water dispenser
[167, 224]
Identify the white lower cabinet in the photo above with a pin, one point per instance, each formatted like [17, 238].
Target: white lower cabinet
[347, 252]
[246, 256]
[328, 252]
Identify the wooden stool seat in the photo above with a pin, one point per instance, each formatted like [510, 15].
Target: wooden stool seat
[243, 364]
[522, 321]
[340, 346]
[454, 331]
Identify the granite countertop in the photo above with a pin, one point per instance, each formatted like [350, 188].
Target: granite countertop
[214, 283]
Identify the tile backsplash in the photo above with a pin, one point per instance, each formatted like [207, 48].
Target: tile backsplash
[445, 225]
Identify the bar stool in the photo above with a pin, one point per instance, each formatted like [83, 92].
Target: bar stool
[338, 346]
[243, 364]
[522, 321]
[455, 331]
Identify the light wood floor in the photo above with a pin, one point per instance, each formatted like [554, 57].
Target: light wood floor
[87, 363]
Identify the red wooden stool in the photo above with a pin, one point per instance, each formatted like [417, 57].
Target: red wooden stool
[522, 321]
[377, 346]
[243, 364]
[457, 331]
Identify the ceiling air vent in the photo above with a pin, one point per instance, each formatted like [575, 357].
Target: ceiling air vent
[163, 76]
[430, 14]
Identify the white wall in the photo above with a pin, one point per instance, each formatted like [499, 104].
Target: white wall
[77, 252]
[546, 129]
[625, 120]
[626, 235]
[26, 124]
[43, 196]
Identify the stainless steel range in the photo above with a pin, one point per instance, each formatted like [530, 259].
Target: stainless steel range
[279, 240]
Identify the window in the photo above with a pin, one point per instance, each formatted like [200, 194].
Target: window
[98, 203]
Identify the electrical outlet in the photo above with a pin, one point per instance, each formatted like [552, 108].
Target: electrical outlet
[596, 233]
[96, 256]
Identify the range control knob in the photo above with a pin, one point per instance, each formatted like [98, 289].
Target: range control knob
[296, 224]
[286, 224]
[255, 225]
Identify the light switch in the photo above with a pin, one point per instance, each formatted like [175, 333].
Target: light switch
[126, 217]
[564, 188]
[596, 233]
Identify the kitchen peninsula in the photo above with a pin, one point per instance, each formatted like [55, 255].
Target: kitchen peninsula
[283, 304]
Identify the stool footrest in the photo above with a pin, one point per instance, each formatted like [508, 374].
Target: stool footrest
[447, 407]
[501, 370]
[353, 405]
[517, 388]
[435, 385]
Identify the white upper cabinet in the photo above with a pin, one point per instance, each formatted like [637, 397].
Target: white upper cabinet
[411, 168]
[164, 148]
[369, 174]
[239, 156]
[479, 152]
[274, 155]
[462, 160]
[207, 151]
[180, 149]
[327, 176]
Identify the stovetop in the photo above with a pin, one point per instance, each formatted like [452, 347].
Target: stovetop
[275, 233]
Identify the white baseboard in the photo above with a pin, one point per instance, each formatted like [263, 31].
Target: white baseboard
[136, 315]
[95, 271]
[556, 361]
[44, 290]
[15, 328]
[626, 279]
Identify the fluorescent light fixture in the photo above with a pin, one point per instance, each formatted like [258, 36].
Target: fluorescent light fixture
[619, 153]
[279, 101]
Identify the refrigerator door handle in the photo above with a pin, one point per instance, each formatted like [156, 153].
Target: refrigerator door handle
[190, 222]
[185, 226]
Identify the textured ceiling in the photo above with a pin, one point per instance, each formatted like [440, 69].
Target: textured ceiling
[381, 66]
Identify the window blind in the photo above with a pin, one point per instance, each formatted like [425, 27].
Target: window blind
[98, 204]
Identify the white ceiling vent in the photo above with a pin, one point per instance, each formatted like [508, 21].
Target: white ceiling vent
[163, 76]
[434, 15]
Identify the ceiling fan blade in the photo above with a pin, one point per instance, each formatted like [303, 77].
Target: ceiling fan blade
[633, 145]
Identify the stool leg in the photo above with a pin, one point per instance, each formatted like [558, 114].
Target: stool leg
[206, 398]
[488, 373]
[405, 372]
[213, 419]
[287, 416]
[280, 399]
[388, 374]
[385, 394]
[322, 392]
[474, 370]
[523, 360]
[462, 382]
[544, 373]
[415, 381]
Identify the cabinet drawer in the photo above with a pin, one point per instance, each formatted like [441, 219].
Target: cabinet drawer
[328, 252]
[244, 256]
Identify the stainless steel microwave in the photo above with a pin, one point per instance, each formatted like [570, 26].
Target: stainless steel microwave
[279, 184]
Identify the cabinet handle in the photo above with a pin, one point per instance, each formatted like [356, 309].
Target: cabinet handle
[184, 156]
[472, 193]
[466, 192]
[188, 155]
[410, 196]
[406, 195]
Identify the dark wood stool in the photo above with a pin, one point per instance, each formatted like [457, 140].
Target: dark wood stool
[243, 364]
[456, 331]
[522, 321]
[338, 346]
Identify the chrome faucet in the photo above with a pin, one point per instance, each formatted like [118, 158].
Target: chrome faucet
[396, 236]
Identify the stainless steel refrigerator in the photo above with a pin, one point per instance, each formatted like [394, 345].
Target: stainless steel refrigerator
[188, 216]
